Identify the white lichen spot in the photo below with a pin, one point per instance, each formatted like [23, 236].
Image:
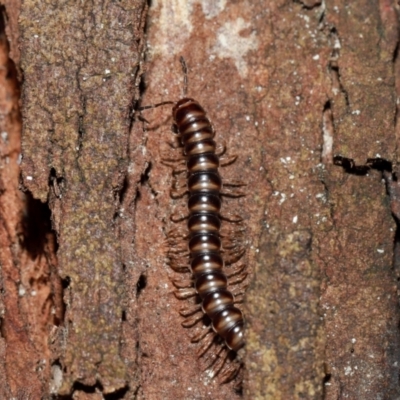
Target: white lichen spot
[174, 24]
[33, 293]
[231, 44]
[21, 291]
[29, 178]
[295, 219]
[316, 57]
[356, 112]
[56, 379]
[381, 251]
[327, 136]
[107, 71]
[347, 370]
[353, 340]
[4, 136]
[211, 8]
[282, 199]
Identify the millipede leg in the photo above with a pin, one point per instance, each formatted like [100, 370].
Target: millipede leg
[238, 278]
[233, 255]
[227, 160]
[179, 215]
[206, 343]
[183, 283]
[229, 372]
[179, 233]
[228, 216]
[183, 294]
[230, 230]
[194, 319]
[213, 362]
[239, 299]
[175, 164]
[178, 263]
[190, 310]
[237, 269]
[174, 156]
[200, 334]
[221, 148]
[232, 192]
[239, 289]
[178, 193]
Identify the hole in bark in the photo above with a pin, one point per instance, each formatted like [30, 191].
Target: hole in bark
[123, 316]
[2, 333]
[65, 282]
[350, 167]
[327, 133]
[122, 192]
[81, 128]
[325, 382]
[56, 182]
[117, 395]
[141, 284]
[395, 53]
[86, 388]
[378, 164]
[306, 6]
[36, 226]
[146, 174]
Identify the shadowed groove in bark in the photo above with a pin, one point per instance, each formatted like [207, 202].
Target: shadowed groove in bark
[36, 226]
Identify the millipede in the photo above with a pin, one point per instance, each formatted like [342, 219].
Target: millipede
[203, 248]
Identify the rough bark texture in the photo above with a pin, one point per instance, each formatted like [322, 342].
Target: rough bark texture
[87, 309]
[79, 67]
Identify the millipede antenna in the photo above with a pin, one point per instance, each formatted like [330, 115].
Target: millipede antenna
[185, 76]
[156, 105]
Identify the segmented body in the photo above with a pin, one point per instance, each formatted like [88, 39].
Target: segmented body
[204, 223]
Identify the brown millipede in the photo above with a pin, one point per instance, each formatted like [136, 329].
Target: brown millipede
[204, 239]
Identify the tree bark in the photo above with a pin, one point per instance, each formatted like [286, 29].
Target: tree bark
[303, 92]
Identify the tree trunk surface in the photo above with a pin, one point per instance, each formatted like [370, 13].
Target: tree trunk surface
[305, 93]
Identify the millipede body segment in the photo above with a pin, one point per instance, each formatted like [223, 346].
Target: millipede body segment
[204, 185]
